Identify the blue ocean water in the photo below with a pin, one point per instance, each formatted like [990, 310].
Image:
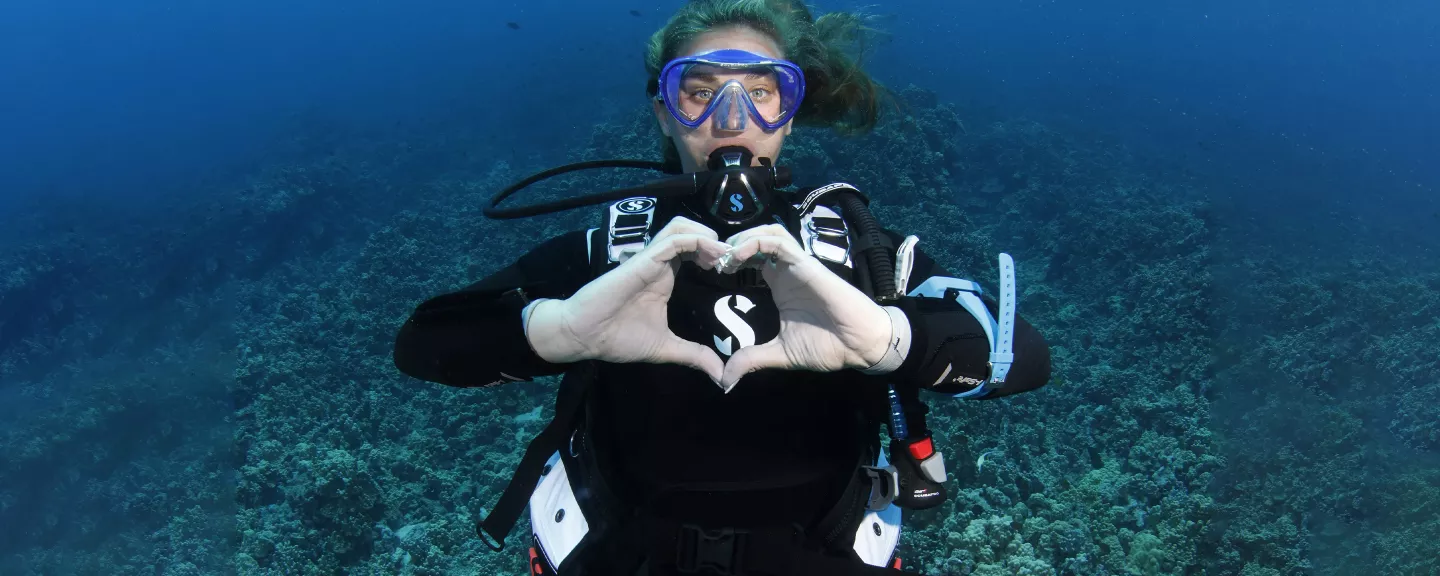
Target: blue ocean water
[213, 217]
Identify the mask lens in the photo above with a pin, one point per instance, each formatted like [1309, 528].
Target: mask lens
[694, 92]
[762, 87]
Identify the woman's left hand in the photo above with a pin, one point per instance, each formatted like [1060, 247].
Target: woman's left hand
[826, 324]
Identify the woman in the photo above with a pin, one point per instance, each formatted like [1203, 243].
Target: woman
[773, 471]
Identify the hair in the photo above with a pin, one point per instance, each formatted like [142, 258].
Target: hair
[838, 93]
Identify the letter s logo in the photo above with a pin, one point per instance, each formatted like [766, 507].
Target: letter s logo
[734, 323]
[635, 205]
[735, 204]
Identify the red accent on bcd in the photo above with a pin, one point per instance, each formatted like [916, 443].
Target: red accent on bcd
[922, 449]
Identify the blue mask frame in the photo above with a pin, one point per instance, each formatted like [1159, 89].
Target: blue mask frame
[732, 100]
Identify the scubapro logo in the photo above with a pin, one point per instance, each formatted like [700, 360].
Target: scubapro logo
[736, 203]
[635, 205]
[734, 323]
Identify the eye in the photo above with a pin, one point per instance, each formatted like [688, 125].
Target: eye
[759, 93]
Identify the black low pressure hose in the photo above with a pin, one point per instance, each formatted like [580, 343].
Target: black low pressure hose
[871, 241]
[665, 187]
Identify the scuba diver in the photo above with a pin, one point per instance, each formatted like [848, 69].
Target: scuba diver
[731, 350]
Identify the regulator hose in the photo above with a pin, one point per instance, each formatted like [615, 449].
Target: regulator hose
[876, 247]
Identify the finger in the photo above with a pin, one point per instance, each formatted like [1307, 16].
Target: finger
[767, 230]
[756, 251]
[733, 261]
[677, 350]
[750, 359]
[704, 251]
[775, 241]
[683, 225]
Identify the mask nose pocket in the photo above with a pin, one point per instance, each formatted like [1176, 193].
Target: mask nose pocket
[730, 110]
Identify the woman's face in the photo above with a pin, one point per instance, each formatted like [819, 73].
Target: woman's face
[696, 144]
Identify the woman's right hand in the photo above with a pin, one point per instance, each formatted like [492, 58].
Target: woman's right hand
[621, 316]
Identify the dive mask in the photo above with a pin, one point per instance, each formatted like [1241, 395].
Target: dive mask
[731, 86]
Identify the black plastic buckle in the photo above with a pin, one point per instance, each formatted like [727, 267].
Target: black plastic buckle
[720, 551]
[750, 278]
[884, 486]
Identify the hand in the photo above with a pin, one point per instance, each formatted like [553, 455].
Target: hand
[621, 316]
[825, 323]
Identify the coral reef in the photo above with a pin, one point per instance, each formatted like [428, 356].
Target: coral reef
[216, 393]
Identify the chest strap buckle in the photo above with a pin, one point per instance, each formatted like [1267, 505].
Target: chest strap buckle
[719, 551]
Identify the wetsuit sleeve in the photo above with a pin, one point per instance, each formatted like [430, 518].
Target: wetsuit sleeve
[474, 337]
[949, 352]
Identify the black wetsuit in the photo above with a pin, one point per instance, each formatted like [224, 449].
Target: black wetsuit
[795, 434]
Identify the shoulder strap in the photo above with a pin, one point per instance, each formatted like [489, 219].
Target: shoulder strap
[627, 230]
[825, 235]
[813, 197]
[569, 400]
[829, 237]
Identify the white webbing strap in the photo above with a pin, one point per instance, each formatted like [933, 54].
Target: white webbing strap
[1002, 354]
[904, 263]
[999, 332]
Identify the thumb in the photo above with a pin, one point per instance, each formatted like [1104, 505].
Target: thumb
[750, 359]
[680, 351]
